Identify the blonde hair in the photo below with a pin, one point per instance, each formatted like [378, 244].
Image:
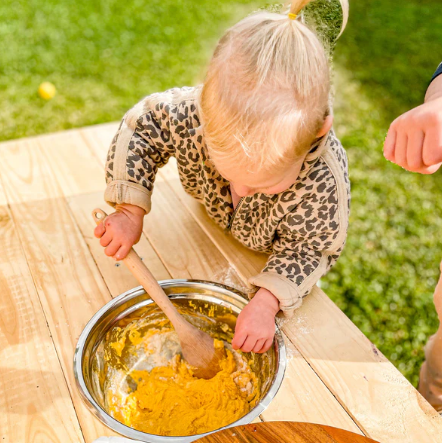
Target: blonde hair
[266, 92]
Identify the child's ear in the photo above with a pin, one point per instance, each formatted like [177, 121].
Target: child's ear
[328, 123]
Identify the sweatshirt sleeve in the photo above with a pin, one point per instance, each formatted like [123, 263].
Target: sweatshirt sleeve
[142, 144]
[437, 73]
[309, 241]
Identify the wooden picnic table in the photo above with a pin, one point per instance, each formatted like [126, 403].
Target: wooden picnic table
[54, 276]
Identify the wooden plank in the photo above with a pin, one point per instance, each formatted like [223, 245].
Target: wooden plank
[379, 398]
[70, 288]
[118, 278]
[99, 138]
[304, 398]
[34, 400]
[74, 165]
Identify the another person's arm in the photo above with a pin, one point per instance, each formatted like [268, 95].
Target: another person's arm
[414, 140]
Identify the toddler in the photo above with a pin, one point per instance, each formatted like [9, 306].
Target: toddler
[254, 144]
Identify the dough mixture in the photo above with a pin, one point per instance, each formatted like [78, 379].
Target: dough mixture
[159, 393]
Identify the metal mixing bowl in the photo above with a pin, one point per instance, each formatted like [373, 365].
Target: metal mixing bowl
[89, 362]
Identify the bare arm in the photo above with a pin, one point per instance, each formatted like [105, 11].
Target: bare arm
[434, 91]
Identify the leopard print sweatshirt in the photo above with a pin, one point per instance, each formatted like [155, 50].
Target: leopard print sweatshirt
[303, 228]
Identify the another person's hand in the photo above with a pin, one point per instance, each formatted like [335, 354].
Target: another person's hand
[255, 327]
[414, 140]
[120, 230]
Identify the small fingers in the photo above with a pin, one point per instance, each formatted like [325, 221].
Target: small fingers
[112, 248]
[249, 344]
[430, 169]
[106, 239]
[238, 340]
[259, 344]
[99, 230]
[267, 345]
[121, 254]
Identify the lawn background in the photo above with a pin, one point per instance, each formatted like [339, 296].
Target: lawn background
[103, 56]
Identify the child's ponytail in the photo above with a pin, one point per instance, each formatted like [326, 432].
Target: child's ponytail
[267, 89]
[296, 6]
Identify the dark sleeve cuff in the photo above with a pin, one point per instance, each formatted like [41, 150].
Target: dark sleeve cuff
[437, 73]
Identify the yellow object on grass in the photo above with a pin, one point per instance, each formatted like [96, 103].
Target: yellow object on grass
[47, 90]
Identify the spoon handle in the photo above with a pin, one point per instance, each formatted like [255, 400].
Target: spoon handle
[146, 279]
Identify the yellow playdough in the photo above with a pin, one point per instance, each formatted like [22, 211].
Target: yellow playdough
[170, 400]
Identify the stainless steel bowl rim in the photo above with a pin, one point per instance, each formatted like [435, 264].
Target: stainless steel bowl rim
[122, 429]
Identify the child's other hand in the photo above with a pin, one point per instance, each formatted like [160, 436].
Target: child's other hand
[120, 230]
[255, 327]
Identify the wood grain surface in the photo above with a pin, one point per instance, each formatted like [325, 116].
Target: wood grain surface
[69, 286]
[98, 138]
[284, 432]
[35, 404]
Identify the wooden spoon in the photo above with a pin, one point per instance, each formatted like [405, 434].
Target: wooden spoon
[197, 346]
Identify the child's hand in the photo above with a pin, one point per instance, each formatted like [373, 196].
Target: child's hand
[120, 230]
[255, 327]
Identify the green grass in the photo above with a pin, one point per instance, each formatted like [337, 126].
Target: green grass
[103, 56]
[386, 275]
